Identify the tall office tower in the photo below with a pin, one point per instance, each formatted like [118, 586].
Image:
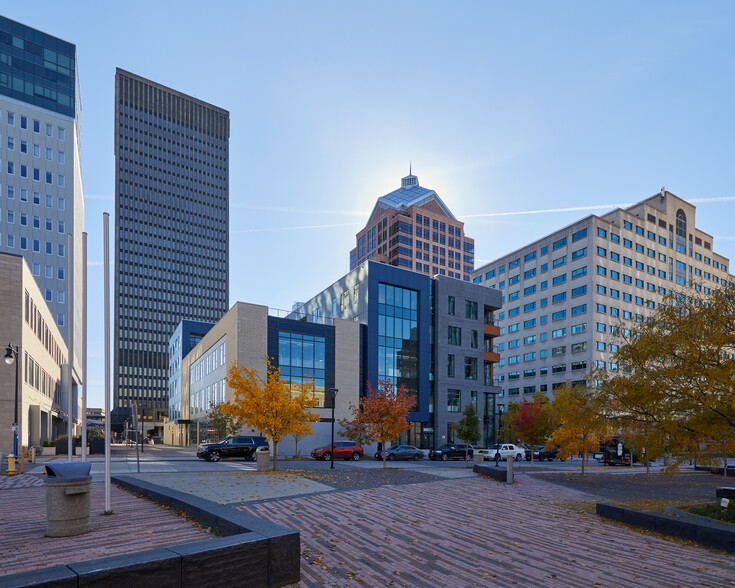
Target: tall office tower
[40, 174]
[412, 228]
[171, 232]
[565, 295]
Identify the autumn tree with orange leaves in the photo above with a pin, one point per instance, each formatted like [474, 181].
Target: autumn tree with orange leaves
[355, 428]
[579, 424]
[532, 422]
[385, 412]
[269, 404]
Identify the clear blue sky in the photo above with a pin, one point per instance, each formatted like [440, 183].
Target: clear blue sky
[501, 107]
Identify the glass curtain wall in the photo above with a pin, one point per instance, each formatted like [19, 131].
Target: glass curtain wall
[398, 337]
[301, 359]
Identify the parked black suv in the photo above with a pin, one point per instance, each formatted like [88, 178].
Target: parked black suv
[231, 447]
[540, 453]
[451, 451]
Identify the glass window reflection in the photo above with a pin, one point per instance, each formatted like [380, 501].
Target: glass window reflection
[301, 359]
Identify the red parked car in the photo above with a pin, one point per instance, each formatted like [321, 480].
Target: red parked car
[343, 449]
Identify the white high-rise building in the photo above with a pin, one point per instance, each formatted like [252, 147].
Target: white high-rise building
[41, 200]
[565, 294]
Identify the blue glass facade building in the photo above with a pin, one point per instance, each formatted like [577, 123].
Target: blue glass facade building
[37, 68]
[303, 352]
[411, 336]
[185, 338]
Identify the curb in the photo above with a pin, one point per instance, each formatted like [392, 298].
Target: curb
[676, 524]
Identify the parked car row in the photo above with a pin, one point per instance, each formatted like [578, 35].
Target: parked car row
[245, 447]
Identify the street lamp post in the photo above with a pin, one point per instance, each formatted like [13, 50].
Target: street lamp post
[333, 396]
[500, 423]
[11, 355]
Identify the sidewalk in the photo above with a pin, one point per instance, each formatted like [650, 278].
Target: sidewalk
[136, 525]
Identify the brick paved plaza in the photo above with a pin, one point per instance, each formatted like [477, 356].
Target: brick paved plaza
[137, 525]
[477, 532]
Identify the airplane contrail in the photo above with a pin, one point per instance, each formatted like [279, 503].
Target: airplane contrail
[297, 228]
[584, 208]
[301, 210]
[546, 210]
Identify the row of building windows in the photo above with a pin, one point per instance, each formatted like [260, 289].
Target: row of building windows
[23, 173]
[209, 362]
[23, 197]
[36, 221]
[23, 148]
[37, 323]
[35, 245]
[542, 388]
[38, 379]
[36, 125]
[203, 400]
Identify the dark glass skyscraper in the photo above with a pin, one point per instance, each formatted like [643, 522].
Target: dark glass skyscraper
[171, 231]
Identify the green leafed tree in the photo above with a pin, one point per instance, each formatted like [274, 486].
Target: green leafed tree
[468, 427]
[223, 423]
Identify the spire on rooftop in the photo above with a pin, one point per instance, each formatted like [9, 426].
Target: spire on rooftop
[410, 180]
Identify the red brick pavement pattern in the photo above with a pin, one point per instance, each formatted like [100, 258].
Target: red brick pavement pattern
[138, 524]
[477, 532]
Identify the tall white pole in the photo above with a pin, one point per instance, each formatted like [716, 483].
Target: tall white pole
[106, 237]
[84, 346]
[70, 326]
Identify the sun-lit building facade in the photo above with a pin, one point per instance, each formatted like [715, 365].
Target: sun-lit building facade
[412, 228]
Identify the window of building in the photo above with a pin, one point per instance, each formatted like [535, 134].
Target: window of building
[470, 309]
[470, 368]
[454, 400]
[454, 335]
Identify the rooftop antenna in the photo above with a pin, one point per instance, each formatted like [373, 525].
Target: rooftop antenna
[409, 169]
[663, 192]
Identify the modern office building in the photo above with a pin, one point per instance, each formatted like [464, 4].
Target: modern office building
[327, 351]
[377, 323]
[412, 228]
[566, 294]
[40, 174]
[185, 338]
[39, 362]
[434, 336]
[171, 232]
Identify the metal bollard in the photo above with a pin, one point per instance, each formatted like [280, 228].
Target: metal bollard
[509, 474]
[32, 458]
[2, 461]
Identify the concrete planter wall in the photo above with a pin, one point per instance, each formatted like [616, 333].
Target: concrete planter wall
[677, 524]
